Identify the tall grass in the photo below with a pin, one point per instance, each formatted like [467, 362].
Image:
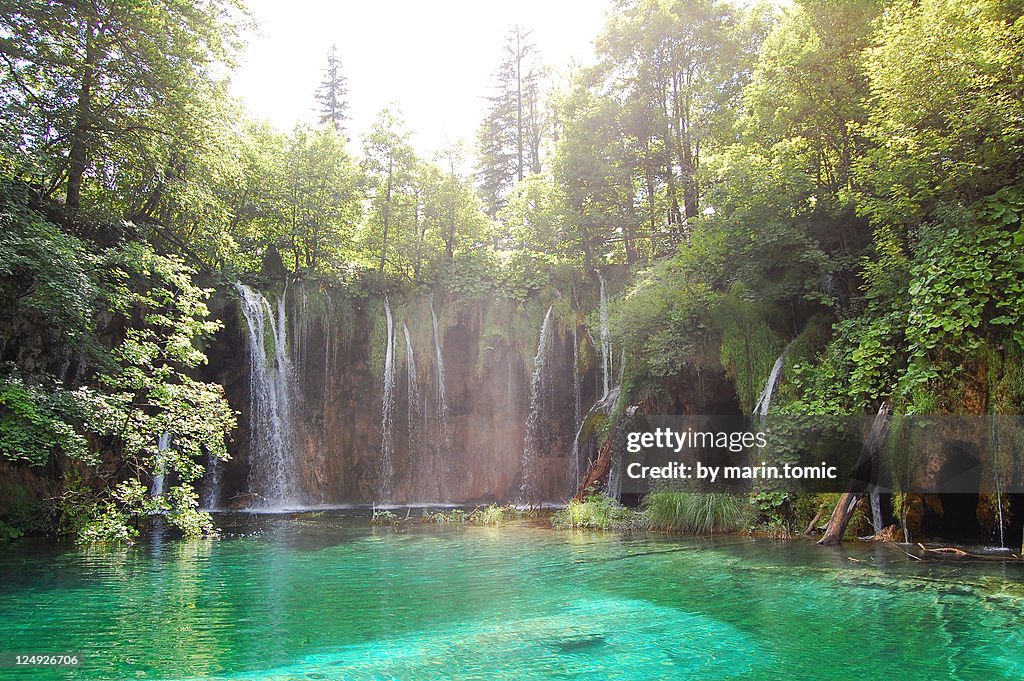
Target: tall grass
[696, 513]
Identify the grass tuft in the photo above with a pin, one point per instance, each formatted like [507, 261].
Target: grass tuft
[696, 513]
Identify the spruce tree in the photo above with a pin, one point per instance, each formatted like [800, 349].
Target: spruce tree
[332, 94]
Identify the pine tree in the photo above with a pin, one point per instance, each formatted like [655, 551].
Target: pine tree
[509, 139]
[333, 92]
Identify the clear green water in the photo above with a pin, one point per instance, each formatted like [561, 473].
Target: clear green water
[331, 598]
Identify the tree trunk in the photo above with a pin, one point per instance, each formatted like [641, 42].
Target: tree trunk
[840, 519]
[863, 475]
[78, 154]
[598, 473]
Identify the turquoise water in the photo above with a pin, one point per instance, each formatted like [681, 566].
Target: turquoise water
[329, 597]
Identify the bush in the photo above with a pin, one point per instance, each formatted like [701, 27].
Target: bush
[696, 513]
[493, 515]
[597, 512]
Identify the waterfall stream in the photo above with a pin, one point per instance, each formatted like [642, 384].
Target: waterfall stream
[764, 401]
[163, 443]
[442, 399]
[577, 423]
[271, 393]
[539, 385]
[387, 411]
[606, 342]
[416, 414]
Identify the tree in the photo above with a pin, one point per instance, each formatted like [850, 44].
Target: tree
[947, 120]
[332, 95]
[389, 163]
[322, 203]
[510, 136]
[674, 61]
[82, 78]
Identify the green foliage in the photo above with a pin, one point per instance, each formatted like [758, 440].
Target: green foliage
[39, 420]
[596, 512]
[129, 389]
[493, 515]
[947, 119]
[696, 513]
[455, 516]
[383, 518]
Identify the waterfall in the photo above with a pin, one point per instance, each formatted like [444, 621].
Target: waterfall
[210, 496]
[994, 448]
[765, 399]
[387, 410]
[606, 341]
[614, 486]
[415, 423]
[574, 469]
[271, 392]
[163, 443]
[442, 399]
[539, 384]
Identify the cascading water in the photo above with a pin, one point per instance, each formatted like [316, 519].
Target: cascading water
[539, 386]
[209, 498]
[387, 411]
[614, 487]
[416, 449]
[994, 448]
[606, 342]
[574, 468]
[764, 402]
[442, 398]
[163, 443]
[271, 392]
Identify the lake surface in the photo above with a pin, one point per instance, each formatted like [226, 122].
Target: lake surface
[329, 597]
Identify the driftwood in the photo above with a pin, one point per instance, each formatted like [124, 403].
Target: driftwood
[863, 473]
[813, 525]
[598, 473]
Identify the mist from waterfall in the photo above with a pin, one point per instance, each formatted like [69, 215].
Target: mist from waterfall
[539, 386]
[271, 393]
[387, 411]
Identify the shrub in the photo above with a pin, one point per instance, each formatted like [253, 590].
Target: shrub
[493, 514]
[596, 512]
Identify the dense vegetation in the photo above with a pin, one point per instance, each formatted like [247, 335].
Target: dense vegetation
[839, 178]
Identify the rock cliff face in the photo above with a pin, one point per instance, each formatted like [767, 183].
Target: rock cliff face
[435, 409]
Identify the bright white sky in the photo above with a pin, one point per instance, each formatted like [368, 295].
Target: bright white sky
[433, 58]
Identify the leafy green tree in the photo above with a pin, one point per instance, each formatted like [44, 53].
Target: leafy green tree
[101, 407]
[390, 166]
[322, 198]
[84, 80]
[947, 118]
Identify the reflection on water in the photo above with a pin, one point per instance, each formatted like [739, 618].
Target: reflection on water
[326, 596]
